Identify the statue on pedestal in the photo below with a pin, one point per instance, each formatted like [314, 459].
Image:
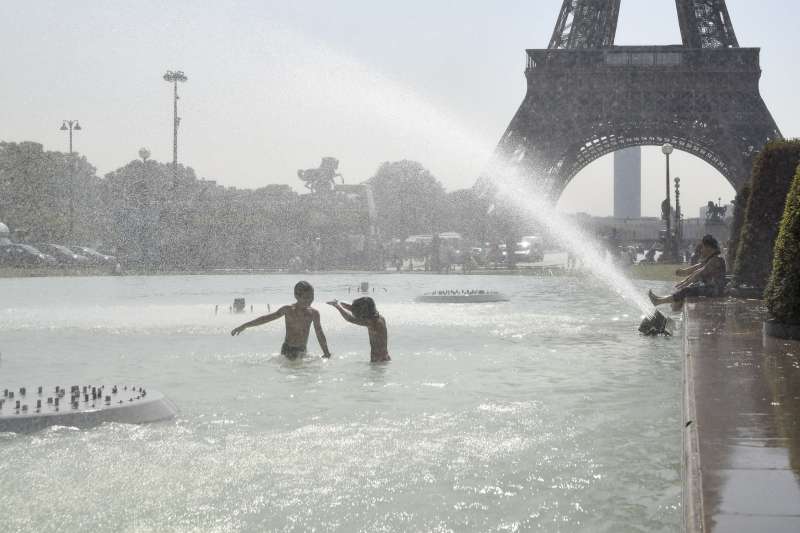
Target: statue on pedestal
[715, 213]
[323, 179]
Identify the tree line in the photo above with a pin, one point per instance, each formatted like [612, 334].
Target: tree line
[154, 216]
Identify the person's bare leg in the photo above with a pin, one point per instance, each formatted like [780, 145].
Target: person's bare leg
[659, 300]
[653, 298]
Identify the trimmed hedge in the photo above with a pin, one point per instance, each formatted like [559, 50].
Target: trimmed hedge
[773, 172]
[739, 210]
[783, 291]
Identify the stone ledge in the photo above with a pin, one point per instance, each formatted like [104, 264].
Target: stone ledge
[741, 457]
[782, 331]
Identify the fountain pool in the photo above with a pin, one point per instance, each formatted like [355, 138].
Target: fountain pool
[548, 411]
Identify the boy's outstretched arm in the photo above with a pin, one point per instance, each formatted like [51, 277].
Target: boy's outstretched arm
[344, 310]
[323, 342]
[260, 320]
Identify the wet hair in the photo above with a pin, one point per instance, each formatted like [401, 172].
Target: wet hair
[364, 308]
[301, 288]
[710, 241]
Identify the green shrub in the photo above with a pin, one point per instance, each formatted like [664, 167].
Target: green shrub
[783, 291]
[739, 210]
[773, 171]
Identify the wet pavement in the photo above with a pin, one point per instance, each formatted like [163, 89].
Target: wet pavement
[742, 407]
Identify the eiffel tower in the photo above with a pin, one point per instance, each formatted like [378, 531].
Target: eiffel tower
[587, 98]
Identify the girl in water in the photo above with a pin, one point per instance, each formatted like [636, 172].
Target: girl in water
[363, 313]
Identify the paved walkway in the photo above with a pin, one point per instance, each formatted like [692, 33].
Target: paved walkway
[742, 447]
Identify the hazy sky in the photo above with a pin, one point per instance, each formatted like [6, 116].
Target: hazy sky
[274, 86]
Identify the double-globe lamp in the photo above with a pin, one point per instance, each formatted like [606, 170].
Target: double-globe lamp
[71, 125]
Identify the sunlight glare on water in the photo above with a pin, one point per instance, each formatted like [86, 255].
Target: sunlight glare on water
[545, 410]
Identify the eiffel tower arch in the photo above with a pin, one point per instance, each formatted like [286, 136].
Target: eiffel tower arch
[587, 98]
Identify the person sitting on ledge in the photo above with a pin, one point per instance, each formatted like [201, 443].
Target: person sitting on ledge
[706, 278]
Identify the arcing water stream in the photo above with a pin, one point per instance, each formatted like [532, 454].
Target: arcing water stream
[347, 84]
[520, 192]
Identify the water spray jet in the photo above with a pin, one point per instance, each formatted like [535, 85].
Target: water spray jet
[366, 92]
[506, 183]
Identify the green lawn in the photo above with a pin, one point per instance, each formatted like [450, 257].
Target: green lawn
[654, 272]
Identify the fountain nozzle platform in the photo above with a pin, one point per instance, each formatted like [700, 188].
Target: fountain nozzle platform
[657, 324]
[81, 406]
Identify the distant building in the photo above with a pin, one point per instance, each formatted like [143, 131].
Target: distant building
[628, 183]
[695, 228]
[645, 230]
[626, 229]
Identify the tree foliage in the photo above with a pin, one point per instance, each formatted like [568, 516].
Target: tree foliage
[48, 196]
[408, 198]
[153, 216]
[466, 213]
[783, 290]
[772, 176]
[165, 219]
[739, 210]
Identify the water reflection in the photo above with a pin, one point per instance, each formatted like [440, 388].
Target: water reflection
[782, 371]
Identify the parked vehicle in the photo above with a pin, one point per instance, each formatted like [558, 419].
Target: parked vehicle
[95, 257]
[24, 255]
[529, 250]
[63, 255]
[478, 255]
[502, 252]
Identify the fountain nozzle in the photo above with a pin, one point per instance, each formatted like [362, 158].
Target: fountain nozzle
[657, 324]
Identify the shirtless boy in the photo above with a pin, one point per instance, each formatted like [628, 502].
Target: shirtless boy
[298, 318]
[363, 313]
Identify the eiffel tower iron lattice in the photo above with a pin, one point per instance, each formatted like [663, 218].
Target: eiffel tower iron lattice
[587, 98]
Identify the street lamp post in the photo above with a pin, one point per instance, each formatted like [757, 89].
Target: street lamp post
[174, 77]
[667, 149]
[70, 125]
[678, 215]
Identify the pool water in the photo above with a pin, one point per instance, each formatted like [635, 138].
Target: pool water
[548, 412]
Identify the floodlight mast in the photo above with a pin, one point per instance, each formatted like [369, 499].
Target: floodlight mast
[174, 77]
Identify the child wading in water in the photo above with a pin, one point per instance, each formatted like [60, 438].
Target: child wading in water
[362, 312]
[298, 318]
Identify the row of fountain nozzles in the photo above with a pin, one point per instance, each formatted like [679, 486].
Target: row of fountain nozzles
[75, 394]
